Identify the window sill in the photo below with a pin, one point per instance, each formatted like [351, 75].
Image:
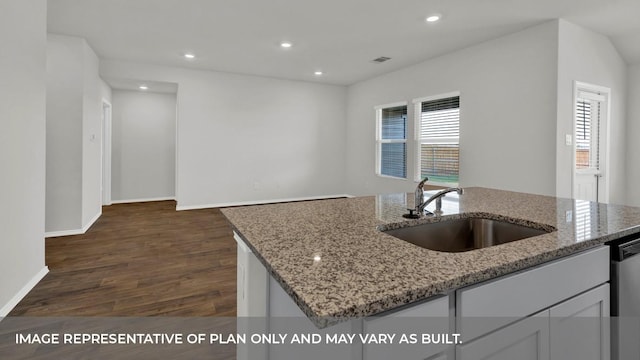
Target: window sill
[392, 177]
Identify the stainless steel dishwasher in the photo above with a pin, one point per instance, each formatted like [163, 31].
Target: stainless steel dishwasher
[625, 298]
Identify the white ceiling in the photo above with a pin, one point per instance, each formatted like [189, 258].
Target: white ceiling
[339, 37]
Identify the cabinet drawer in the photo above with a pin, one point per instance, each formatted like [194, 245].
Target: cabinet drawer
[431, 317]
[484, 307]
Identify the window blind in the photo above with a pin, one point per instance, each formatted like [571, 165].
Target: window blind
[393, 141]
[394, 123]
[439, 138]
[587, 126]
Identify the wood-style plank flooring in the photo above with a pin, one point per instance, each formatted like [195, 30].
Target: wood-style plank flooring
[142, 259]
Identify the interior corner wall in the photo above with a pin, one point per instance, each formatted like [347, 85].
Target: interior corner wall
[589, 57]
[143, 146]
[91, 138]
[105, 91]
[507, 113]
[632, 136]
[245, 139]
[22, 147]
[64, 133]
[74, 135]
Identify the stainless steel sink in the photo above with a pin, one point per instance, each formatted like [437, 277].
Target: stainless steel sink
[464, 234]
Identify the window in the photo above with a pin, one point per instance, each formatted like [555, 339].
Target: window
[438, 139]
[392, 140]
[588, 115]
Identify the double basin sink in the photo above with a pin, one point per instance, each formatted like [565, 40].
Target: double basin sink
[466, 234]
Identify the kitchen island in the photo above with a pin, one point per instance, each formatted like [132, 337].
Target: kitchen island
[332, 259]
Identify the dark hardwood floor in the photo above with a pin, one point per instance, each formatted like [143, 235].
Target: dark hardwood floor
[142, 259]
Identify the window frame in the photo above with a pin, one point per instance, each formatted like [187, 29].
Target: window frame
[590, 98]
[380, 141]
[418, 141]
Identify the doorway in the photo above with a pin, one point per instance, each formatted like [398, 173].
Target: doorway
[590, 160]
[106, 153]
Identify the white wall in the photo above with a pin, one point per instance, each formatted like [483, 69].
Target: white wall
[143, 143]
[91, 138]
[589, 57]
[105, 91]
[105, 96]
[64, 133]
[22, 148]
[507, 113]
[74, 135]
[633, 134]
[247, 138]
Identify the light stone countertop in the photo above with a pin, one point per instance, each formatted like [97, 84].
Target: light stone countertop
[332, 259]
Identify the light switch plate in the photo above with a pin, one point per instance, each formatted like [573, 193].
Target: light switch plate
[568, 139]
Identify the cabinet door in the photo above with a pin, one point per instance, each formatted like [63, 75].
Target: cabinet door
[579, 327]
[503, 300]
[430, 317]
[527, 339]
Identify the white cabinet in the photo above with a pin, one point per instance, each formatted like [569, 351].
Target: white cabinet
[430, 317]
[576, 328]
[580, 327]
[251, 301]
[503, 300]
[527, 339]
[252, 282]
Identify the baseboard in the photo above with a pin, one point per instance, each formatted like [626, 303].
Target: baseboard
[63, 233]
[84, 229]
[258, 202]
[92, 221]
[128, 201]
[6, 309]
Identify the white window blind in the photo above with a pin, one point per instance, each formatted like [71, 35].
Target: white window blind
[438, 138]
[587, 133]
[392, 141]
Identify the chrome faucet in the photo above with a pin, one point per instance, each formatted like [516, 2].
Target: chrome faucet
[419, 193]
[421, 204]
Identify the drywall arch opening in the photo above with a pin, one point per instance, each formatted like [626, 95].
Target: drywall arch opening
[143, 144]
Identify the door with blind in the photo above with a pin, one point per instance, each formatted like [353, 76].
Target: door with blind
[590, 178]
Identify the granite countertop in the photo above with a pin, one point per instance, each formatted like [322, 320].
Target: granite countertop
[332, 259]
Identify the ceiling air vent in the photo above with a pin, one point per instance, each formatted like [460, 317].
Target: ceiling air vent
[381, 59]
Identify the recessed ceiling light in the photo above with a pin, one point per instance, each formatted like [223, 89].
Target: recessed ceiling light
[286, 44]
[189, 56]
[143, 87]
[318, 73]
[433, 18]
